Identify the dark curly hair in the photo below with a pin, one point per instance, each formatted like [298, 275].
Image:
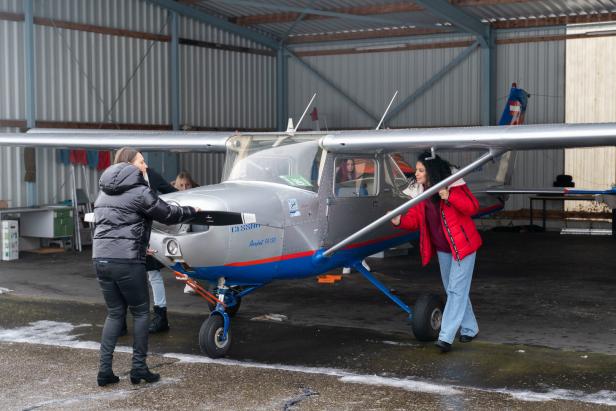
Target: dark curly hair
[437, 170]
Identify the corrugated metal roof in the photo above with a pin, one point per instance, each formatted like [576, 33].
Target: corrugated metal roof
[483, 10]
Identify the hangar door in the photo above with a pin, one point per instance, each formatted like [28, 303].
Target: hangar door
[590, 84]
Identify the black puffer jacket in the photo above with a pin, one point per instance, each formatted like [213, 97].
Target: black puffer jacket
[123, 214]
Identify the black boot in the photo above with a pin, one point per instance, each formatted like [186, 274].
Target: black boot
[159, 320]
[143, 374]
[105, 378]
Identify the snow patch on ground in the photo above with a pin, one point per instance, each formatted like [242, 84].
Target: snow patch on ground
[52, 333]
[344, 376]
[59, 334]
[5, 290]
[603, 397]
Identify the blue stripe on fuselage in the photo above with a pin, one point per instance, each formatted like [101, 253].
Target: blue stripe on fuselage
[291, 268]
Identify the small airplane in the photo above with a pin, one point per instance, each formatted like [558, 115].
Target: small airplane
[282, 211]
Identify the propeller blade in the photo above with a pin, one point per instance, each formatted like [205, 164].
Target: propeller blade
[222, 218]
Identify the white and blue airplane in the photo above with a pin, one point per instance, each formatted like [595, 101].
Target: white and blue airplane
[281, 211]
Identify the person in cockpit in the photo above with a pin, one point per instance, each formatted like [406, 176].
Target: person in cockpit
[447, 230]
[347, 172]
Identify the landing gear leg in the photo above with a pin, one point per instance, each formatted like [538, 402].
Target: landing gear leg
[426, 315]
[215, 332]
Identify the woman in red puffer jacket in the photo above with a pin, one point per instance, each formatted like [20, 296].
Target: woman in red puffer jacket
[447, 230]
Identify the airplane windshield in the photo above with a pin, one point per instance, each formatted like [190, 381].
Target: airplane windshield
[289, 160]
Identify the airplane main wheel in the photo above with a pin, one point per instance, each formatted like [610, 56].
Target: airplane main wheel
[427, 317]
[210, 336]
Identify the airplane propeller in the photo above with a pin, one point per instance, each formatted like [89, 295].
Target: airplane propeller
[222, 218]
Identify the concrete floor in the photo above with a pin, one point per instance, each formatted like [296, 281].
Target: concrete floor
[545, 305]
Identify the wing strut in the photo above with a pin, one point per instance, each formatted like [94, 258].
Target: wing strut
[492, 153]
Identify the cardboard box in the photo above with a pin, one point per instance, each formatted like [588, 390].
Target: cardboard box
[4, 203]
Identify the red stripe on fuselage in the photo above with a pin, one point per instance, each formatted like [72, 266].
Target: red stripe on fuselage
[309, 252]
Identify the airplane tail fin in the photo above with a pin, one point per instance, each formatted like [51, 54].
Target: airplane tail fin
[513, 114]
[515, 109]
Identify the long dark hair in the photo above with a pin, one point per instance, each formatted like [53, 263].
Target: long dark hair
[437, 170]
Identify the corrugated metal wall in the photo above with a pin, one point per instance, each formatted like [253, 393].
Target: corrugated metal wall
[96, 77]
[11, 103]
[539, 68]
[591, 81]
[371, 79]
[84, 77]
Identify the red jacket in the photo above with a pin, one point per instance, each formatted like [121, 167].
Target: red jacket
[459, 228]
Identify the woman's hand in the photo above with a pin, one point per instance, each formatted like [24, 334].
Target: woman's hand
[444, 194]
[396, 220]
[197, 209]
[150, 251]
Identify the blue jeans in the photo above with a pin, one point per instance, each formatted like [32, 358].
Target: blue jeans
[158, 288]
[458, 314]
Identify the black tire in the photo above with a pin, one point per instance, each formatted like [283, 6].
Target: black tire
[427, 316]
[209, 335]
[231, 311]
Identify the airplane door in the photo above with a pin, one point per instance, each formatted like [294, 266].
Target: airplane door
[354, 199]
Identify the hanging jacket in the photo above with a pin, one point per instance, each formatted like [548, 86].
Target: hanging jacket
[456, 221]
[123, 214]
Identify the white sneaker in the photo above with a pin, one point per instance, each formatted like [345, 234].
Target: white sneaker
[188, 289]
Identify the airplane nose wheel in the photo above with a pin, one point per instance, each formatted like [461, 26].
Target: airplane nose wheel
[211, 337]
[427, 317]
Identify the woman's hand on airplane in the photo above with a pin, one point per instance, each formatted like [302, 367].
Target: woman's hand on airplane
[444, 193]
[395, 220]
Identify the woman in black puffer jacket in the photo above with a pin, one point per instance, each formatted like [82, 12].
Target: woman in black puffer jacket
[123, 214]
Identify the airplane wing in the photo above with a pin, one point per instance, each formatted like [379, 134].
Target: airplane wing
[550, 190]
[494, 140]
[502, 138]
[180, 141]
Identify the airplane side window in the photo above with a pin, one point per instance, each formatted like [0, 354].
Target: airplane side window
[355, 177]
[398, 171]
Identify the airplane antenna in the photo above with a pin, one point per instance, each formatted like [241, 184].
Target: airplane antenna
[386, 110]
[305, 111]
[433, 154]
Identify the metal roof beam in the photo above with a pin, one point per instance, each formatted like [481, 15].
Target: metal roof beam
[391, 8]
[363, 35]
[217, 22]
[458, 18]
[296, 22]
[318, 12]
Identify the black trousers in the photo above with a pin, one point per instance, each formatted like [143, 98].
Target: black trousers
[124, 285]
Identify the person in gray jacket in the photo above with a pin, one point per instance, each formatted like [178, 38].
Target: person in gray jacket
[123, 214]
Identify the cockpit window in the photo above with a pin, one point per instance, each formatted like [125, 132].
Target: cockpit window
[398, 171]
[355, 177]
[281, 159]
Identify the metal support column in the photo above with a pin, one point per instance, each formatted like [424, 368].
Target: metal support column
[282, 89]
[488, 78]
[175, 72]
[30, 80]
